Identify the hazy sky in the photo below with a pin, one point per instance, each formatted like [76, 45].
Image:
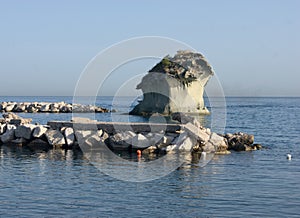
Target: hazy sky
[253, 46]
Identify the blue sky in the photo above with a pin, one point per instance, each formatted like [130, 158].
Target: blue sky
[252, 45]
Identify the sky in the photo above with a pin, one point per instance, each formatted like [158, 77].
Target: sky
[253, 45]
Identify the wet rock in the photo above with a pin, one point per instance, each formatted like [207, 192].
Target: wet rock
[55, 138]
[39, 131]
[24, 131]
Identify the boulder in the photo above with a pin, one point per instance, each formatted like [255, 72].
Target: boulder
[198, 133]
[39, 131]
[139, 141]
[121, 141]
[9, 134]
[55, 138]
[69, 136]
[24, 131]
[9, 107]
[215, 139]
[184, 143]
[20, 108]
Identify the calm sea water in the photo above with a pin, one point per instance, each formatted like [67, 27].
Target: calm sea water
[259, 183]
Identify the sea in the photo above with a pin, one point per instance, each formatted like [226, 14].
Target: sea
[262, 183]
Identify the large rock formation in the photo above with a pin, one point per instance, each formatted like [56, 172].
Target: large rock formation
[175, 84]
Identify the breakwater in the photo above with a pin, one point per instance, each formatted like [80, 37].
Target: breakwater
[49, 107]
[186, 136]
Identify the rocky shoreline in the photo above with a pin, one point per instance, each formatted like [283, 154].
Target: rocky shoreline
[49, 107]
[191, 137]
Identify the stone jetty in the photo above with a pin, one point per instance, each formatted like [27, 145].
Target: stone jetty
[186, 136]
[49, 107]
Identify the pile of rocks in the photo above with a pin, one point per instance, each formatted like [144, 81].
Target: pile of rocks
[20, 131]
[191, 138]
[49, 107]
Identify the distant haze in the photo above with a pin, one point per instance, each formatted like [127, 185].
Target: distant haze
[253, 46]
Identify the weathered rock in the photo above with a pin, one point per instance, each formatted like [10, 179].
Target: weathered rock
[69, 136]
[122, 140]
[39, 131]
[184, 143]
[139, 141]
[175, 84]
[24, 131]
[9, 134]
[55, 138]
[194, 131]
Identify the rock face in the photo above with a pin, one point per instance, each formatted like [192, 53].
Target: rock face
[176, 84]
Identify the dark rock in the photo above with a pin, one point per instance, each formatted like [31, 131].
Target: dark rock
[24, 131]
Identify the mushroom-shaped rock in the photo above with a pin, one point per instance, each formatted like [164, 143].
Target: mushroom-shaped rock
[175, 84]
